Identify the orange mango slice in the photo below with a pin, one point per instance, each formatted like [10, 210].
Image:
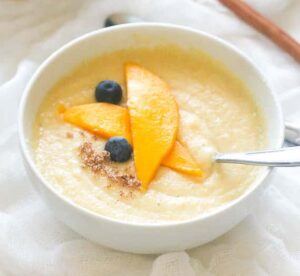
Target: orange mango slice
[103, 119]
[153, 118]
[182, 161]
[178, 159]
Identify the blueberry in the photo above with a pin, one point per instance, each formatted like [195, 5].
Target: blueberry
[119, 148]
[108, 91]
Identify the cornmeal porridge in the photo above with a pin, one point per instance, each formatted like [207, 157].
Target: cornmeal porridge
[216, 113]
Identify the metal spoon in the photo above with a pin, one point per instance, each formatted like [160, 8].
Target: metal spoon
[284, 157]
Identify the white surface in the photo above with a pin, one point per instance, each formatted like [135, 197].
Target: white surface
[32, 242]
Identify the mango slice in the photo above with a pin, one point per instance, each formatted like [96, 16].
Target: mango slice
[103, 119]
[153, 118]
[182, 161]
[178, 159]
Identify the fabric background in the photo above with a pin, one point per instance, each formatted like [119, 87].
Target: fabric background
[33, 242]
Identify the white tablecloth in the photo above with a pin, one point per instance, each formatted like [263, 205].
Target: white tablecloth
[33, 242]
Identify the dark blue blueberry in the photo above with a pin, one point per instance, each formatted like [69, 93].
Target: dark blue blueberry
[108, 91]
[118, 147]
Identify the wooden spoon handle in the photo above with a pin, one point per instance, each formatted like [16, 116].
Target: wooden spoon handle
[265, 26]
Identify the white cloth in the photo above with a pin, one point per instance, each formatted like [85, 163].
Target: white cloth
[33, 242]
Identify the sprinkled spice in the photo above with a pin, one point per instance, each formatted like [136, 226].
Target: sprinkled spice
[69, 135]
[127, 194]
[99, 162]
[95, 138]
[82, 134]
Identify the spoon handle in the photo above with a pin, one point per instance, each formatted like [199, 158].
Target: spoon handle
[284, 157]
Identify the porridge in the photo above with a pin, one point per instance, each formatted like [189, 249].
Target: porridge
[200, 108]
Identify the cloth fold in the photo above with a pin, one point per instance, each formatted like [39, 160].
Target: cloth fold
[33, 242]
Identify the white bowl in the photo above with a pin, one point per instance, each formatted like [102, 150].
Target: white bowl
[139, 237]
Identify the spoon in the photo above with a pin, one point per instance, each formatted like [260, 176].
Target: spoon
[292, 131]
[284, 157]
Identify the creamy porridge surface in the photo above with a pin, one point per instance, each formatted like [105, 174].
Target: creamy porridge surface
[217, 113]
